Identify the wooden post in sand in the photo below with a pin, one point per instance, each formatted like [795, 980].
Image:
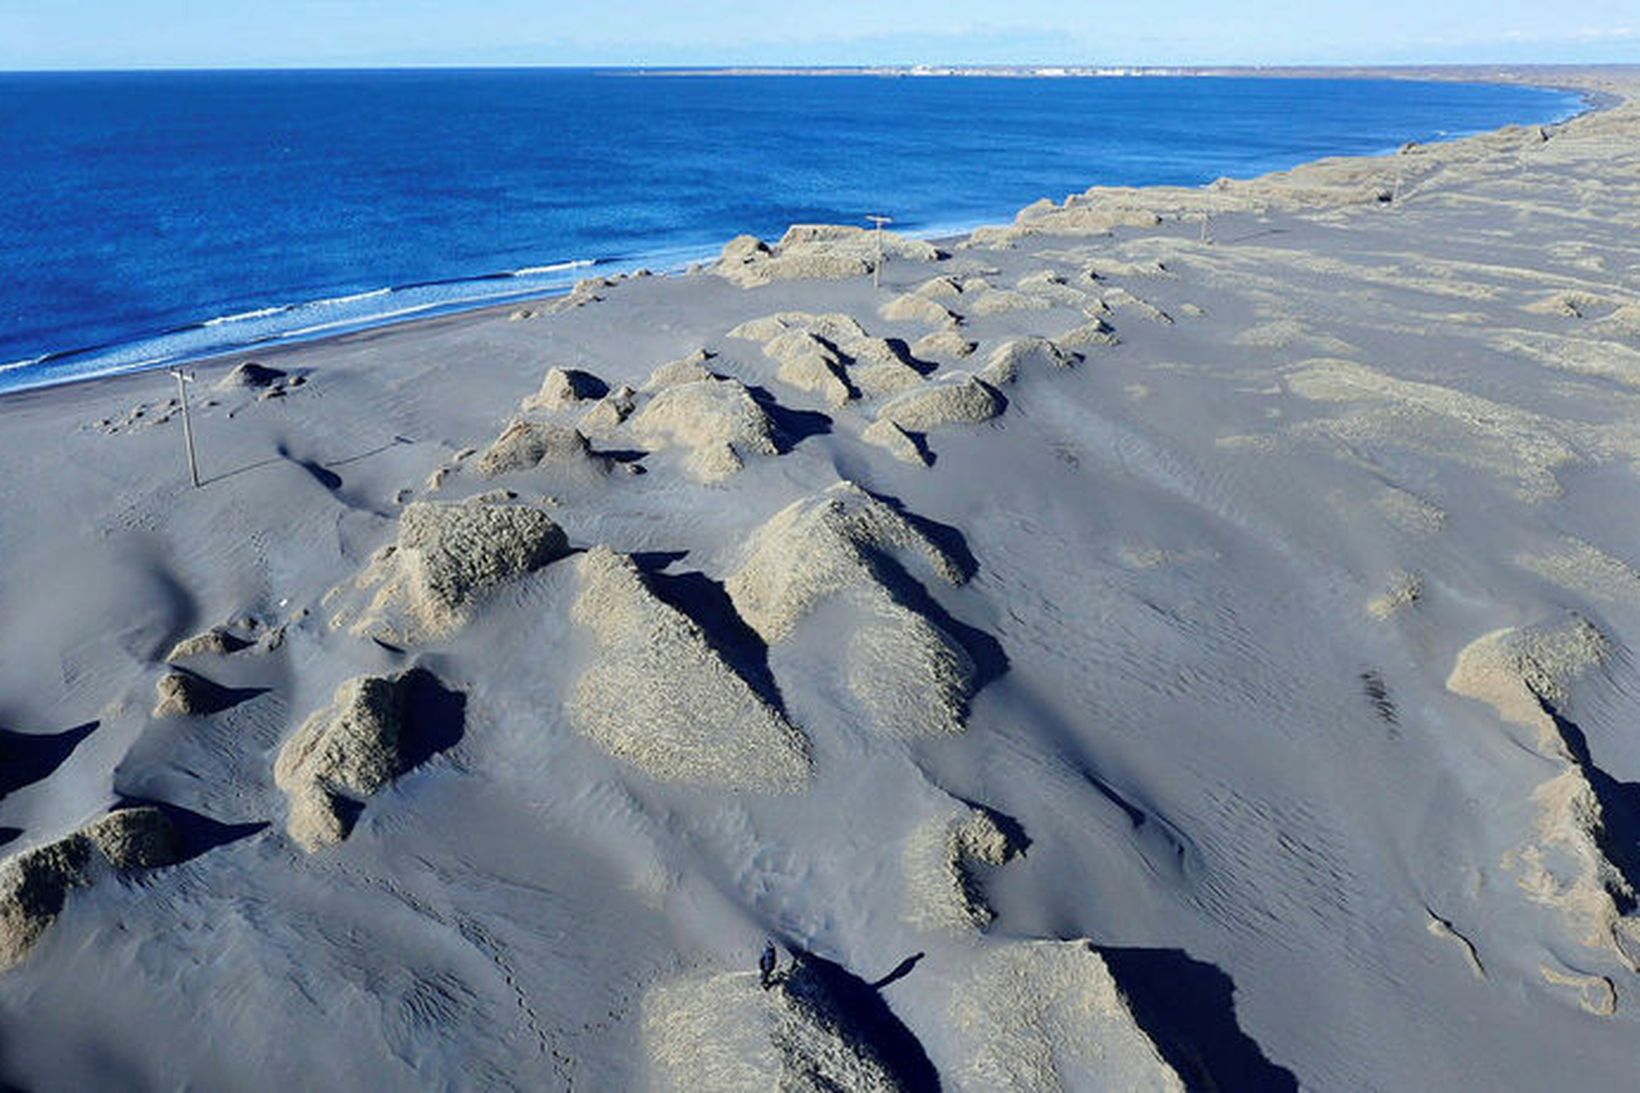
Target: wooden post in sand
[183, 380]
[877, 267]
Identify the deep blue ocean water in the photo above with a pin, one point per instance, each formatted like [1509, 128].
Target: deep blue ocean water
[147, 217]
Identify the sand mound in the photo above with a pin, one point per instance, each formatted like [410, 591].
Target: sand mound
[816, 547]
[945, 860]
[447, 558]
[1401, 591]
[217, 641]
[717, 420]
[882, 378]
[806, 1034]
[816, 252]
[809, 364]
[944, 287]
[1121, 298]
[1586, 569]
[911, 677]
[1036, 1015]
[863, 240]
[954, 398]
[184, 694]
[1564, 865]
[563, 387]
[743, 247]
[1094, 332]
[1010, 358]
[1001, 301]
[1409, 512]
[586, 291]
[1379, 409]
[899, 443]
[872, 366]
[1595, 993]
[352, 748]
[1078, 216]
[35, 884]
[250, 376]
[608, 412]
[833, 326]
[942, 343]
[690, 369]
[1521, 673]
[659, 696]
[525, 445]
[916, 308]
[1052, 285]
[1515, 671]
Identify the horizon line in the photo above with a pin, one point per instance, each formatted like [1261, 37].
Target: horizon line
[885, 66]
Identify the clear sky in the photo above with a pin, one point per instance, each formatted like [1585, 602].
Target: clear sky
[238, 33]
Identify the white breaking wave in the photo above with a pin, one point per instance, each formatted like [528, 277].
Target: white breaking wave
[245, 316]
[14, 365]
[335, 301]
[557, 267]
[320, 328]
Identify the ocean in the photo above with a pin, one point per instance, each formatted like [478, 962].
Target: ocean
[147, 218]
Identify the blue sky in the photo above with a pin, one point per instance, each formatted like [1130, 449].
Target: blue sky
[237, 33]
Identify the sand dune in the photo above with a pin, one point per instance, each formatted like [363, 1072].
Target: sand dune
[944, 862]
[447, 558]
[1526, 676]
[662, 698]
[1048, 1015]
[724, 1032]
[951, 398]
[353, 748]
[816, 252]
[34, 885]
[718, 421]
[911, 677]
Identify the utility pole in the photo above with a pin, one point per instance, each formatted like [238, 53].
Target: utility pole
[183, 380]
[877, 269]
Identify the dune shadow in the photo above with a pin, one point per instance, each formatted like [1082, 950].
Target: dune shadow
[948, 538]
[1188, 1008]
[902, 350]
[26, 758]
[791, 426]
[651, 561]
[435, 718]
[707, 603]
[863, 1017]
[1619, 833]
[990, 660]
[620, 455]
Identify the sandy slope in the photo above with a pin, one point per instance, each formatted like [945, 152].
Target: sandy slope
[1221, 675]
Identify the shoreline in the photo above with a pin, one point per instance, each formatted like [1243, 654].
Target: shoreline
[683, 259]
